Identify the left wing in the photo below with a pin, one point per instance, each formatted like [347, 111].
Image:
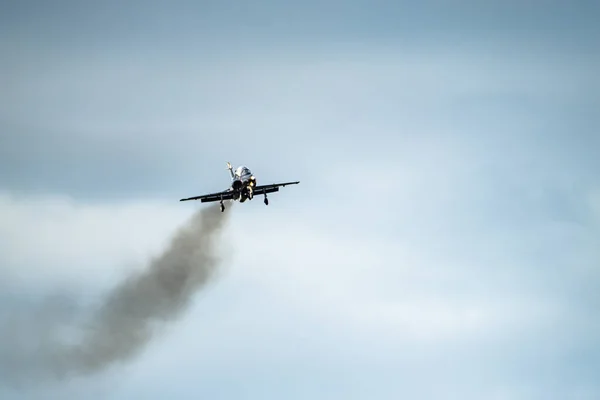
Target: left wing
[224, 195]
[274, 187]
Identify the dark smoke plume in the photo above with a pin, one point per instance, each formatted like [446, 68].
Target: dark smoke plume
[60, 340]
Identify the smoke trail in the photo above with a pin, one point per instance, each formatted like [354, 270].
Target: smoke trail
[36, 348]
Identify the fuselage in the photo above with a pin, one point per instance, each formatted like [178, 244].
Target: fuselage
[243, 183]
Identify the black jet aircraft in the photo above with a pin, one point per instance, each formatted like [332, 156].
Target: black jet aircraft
[243, 187]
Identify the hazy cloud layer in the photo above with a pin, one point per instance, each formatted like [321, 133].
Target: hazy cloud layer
[486, 306]
[184, 22]
[122, 126]
[61, 339]
[443, 242]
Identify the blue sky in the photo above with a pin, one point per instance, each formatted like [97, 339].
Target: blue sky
[443, 242]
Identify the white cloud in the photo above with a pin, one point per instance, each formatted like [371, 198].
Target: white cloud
[54, 240]
[438, 246]
[341, 280]
[353, 277]
[594, 203]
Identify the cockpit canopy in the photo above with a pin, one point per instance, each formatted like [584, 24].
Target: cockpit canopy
[242, 171]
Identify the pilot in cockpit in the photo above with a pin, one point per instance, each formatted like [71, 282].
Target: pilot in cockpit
[242, 171]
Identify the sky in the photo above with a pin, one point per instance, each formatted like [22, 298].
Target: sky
[443, 242]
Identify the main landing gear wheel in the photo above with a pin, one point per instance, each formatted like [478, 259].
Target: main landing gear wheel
[266, 201]
[222, 207]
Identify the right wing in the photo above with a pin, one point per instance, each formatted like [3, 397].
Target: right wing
[271, 188]
[224, 195]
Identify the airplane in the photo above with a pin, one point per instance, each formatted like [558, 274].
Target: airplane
[243, 187]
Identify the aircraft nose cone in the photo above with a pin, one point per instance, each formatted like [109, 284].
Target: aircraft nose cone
[237, 184]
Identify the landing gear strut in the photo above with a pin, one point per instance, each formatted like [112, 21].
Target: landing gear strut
[222, 205]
